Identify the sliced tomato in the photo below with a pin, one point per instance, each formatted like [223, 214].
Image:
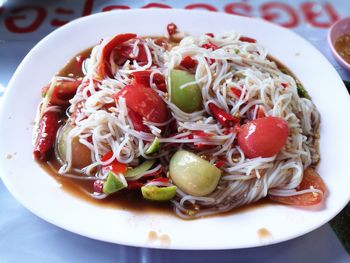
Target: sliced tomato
[311, 179]
[263, 137]
[137, 121]
[115, 166]
[210, 45]
[159, 81]
[142, 77]
[103, 68]
[144, 101]
[63, 91]
[188, 62]
[260, 113]
[125, 53]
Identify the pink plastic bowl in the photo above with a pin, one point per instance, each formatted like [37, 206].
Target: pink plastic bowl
[339, 28]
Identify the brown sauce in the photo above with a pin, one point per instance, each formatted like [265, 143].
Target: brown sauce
[73, 67]
[264, 233]
[342, 46]
[124, 200]
[163, 239]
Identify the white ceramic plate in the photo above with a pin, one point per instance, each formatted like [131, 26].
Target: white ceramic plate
[41, 194]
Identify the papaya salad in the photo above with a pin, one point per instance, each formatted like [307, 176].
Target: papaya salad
[208, 123]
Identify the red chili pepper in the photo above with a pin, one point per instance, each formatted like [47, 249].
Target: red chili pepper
[63, 91]
[284, 85]
[219, 164]
[159, 81]
[234, 129]
[188, 62]
[210, 45]
[226, 119]
[134, 185]
[137, 121]
[103, 68]
[160, 179]
[237, 92]
[171, 28]
[115, 166]
[173, 127]
[260, 113]
[154, 174]
[202, 134]
[247, 39]
[48, 126]
[210, 34]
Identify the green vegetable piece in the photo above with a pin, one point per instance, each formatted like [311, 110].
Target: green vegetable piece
[156, 193]
[188, 99]
[146, 165]
[302, 91]
[154, 146]
[192, 174]
[113, 184]
[62, 140]
[286, 71]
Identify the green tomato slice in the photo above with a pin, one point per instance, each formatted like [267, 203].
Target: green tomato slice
[134, 172]
[154, 147]
[113, 184]
[189, 98]
[156, 193]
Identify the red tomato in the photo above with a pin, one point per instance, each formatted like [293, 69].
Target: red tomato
[115, 166]
[142, 77]
[310, 179]
[237, 92]
[145, 102]
[125, 53]
[263, 137]
[137, 121]
[260, 113]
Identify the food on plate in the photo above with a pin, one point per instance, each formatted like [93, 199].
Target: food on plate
[342, 46]
[208, 123]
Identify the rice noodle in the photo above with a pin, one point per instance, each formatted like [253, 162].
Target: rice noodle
[235, 64]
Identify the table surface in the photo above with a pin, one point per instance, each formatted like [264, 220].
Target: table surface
[26, 238]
